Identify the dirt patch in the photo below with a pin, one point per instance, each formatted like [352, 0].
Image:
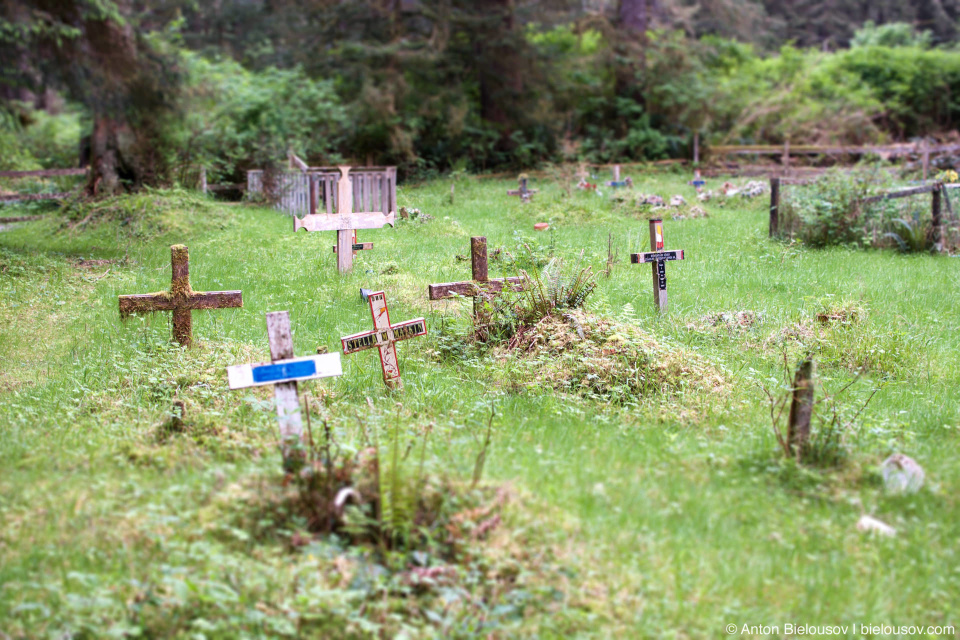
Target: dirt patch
[91, 264]
[729, 320]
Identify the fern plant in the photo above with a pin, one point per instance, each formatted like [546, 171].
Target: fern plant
[555, 289]
[911, 235]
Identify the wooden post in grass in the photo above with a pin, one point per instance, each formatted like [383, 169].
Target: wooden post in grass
[283, 371]
[774, 206]
[481, 285]
[801, 409]
[345, 222]
[384, 336]
[181, 299]
[658, 259]
[937, 215]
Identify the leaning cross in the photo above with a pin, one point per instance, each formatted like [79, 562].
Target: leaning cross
[283, 371]
[481, 285]
[658, 258]
[345, 222]
[384, 336]
[525, 194]
[181, 299]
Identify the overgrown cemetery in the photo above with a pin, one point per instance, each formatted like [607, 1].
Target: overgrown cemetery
[384, 398]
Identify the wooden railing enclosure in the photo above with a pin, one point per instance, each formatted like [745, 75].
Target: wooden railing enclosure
[314, 189]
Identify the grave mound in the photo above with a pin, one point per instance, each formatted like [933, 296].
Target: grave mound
[593, 356]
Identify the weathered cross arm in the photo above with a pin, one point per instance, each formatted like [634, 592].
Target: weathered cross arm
[340, 222]
[165, 301]
[260, 374]
[655, 256]
[383, 337]
[358, 246]
[446, 290]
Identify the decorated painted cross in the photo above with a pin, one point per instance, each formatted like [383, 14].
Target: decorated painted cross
[658, 259]
[525, 194]
[481, 285]
[617, 182]
[283, 372]
[384, 337]
[345, 222]
[181, 299]
[697, 181]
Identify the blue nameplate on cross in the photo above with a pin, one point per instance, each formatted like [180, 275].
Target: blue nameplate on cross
[286, 371]
[292, 370]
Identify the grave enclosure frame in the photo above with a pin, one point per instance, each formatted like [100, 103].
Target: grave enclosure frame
[937, 190]
[314, 190]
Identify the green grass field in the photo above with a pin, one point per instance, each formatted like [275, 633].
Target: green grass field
[665, 515]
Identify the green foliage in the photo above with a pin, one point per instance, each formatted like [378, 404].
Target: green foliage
[890, 34]
[241, 120]
[830, 211]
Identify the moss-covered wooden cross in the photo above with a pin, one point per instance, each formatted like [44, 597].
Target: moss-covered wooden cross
[481, 286]
[181, 299]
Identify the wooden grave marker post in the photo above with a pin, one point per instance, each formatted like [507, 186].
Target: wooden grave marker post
[617, 182]
[522, 191]
[384, 336]
[283, 372]
[658, 259]
[481, 286]
[181, 299]
[345, 222]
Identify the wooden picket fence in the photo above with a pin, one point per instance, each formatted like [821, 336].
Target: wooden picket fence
[314, 189]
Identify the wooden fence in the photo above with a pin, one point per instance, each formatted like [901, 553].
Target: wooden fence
[937, 192]
[314, 189]
[921, 149]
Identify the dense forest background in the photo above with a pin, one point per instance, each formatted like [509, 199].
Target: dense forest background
[148, 90]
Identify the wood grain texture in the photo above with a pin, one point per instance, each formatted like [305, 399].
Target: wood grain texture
[450, 289]
[337, 222]
[478, 258]
[285, 394]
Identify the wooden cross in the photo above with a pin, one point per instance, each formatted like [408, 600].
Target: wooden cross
[481, 285]
[181, 299]
[616, 182]
[525, 194]
[283, 371]
[384, 336]
[658, 259]
[345, 222]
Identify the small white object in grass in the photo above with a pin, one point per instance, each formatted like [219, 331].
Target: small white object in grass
[677, 201]
[343, 495]
[705, 196]
[902, 474]
[869, 524]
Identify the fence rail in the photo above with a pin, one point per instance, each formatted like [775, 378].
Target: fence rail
[43, 173]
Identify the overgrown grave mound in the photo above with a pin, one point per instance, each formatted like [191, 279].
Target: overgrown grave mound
[542, 336]
[593, 356]
[147, 214]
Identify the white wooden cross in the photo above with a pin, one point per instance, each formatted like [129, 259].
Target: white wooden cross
[658, 259]
[283, 371]
[384, 336]
[345, 222]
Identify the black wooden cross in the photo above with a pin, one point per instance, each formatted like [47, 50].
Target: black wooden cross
[658, 259]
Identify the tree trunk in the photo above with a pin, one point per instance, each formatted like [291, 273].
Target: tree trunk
[104, 177]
